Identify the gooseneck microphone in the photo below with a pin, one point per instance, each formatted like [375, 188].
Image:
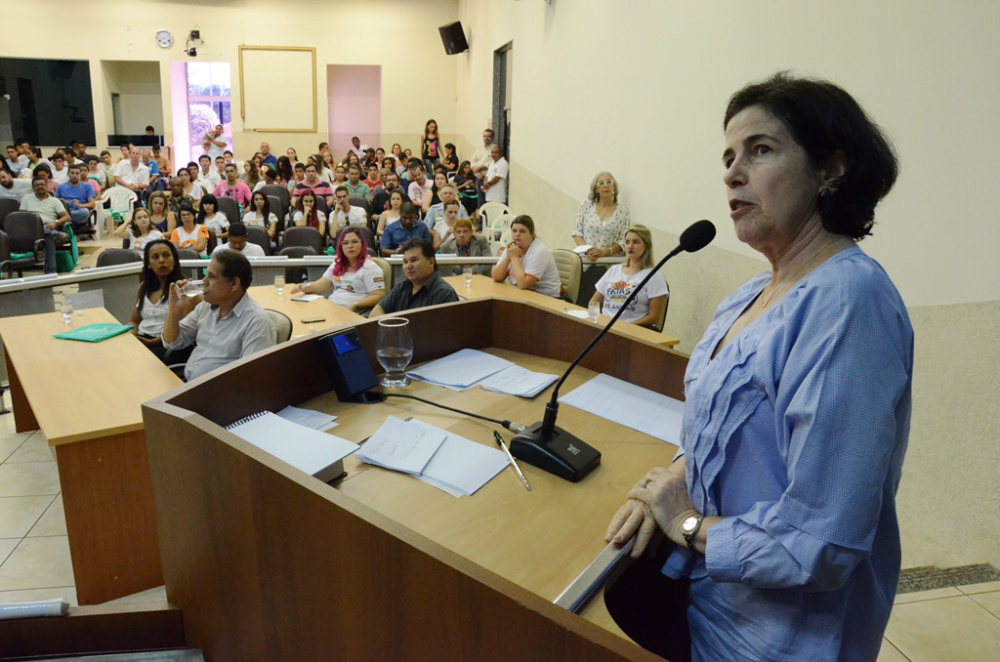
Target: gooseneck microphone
[557, 451]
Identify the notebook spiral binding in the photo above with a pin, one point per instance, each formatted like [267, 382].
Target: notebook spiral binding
[247, 419]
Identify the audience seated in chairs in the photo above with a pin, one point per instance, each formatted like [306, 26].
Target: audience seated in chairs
[399, 232]
[160, 215]
[232, 187]
[259, 215]
[312, 182]
[466, 243]
[355, 187]
[618, 282]
[343, 213]
[132, 174]
[160, 269]
[138, 231]
[226, 325]
[178, 198]
[391, 213]
[354, 280]
[526, 262]
[239, 243]
[189, 234]
[422, 286]
[80, 197]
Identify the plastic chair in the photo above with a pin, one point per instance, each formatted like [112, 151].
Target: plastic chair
[281, 193]
[110, 256]
[116, 200]
[282, 325]
[304, 236]
[497, 230]
[25, 235]
[368, 234]
[386, 272]
[570, 268]
[297, 274]
[259, 236]
[230, 208]
[492, 210]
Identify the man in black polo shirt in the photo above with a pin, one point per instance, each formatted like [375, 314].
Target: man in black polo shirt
[422, 287]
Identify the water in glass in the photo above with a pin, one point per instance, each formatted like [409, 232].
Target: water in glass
[467, 275]
[394, 350]
[67, 312]
[593, 310]
[279, 285]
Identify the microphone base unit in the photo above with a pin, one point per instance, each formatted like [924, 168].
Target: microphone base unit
[561, 453]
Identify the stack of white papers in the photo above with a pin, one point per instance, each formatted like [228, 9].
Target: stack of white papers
[316, 420]
[307, 297]
[461, 370]
[634, 407]
[515, 380]
[446, 461]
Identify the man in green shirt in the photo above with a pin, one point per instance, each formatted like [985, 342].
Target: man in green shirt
[54, 216]
[355, 187]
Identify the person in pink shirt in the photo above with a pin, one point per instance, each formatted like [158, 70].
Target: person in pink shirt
[232, 187]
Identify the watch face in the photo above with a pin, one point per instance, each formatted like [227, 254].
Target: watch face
[689, 524]
[164, 39]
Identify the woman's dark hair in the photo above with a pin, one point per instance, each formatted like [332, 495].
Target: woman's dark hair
[526, 221]
[148, 280]
[266, 211]
[40, 168]
[824, 119]
[189, 209]
[210, 199]
[285, 168]
[461, 168]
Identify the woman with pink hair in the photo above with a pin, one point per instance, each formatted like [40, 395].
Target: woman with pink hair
[354, 280]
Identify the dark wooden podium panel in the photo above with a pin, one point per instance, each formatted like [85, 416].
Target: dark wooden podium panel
[268, 563]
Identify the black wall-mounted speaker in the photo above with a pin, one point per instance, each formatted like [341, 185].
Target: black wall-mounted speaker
[453, 37]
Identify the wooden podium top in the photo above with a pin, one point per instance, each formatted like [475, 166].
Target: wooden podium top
[380, 542]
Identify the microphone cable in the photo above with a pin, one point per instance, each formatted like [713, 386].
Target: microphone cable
[510, 425]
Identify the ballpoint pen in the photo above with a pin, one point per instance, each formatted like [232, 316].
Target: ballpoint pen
[513, 462]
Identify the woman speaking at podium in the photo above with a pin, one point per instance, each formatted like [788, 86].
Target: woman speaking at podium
[781, 502]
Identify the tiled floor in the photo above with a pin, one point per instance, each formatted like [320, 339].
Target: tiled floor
[954, 624]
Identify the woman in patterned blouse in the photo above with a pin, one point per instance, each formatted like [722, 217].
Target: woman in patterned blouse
[601, 222]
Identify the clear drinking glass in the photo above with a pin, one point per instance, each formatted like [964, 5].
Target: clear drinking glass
[593, 310]
[394, 350]
[193, 288]
[467, 274]
[67, 312]
[279, 285]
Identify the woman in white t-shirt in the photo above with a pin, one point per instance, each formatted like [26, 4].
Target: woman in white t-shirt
[210, 216]
[260, 216]
[620, 280]
[161, 266]
[139, 230]
[526, 262]
[356, 280]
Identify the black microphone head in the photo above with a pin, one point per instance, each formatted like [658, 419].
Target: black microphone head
[698, 235]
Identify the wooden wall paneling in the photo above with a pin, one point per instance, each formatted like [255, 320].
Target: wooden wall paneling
[109, 517]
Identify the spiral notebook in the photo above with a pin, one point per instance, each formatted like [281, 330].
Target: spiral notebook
[316, 453]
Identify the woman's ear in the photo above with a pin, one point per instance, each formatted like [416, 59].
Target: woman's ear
[835, 170]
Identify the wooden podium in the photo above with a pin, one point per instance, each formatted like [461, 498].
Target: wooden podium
[268, 563]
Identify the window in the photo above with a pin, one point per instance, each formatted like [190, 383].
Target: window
[208, 91]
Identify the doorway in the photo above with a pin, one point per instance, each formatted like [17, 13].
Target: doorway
[354, 106]
[503, 69]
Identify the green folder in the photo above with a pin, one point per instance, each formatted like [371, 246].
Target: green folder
[95, 332]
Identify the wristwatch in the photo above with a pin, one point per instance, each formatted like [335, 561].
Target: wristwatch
[689, 529]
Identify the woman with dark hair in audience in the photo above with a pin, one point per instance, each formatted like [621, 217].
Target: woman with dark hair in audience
[617, 283]
[192, 189]
[189, 234]
[352, 159]
[293, 156]
[259, 215]
[526, 262]
[450, 160]
[308, 214]
[440, 181]
[465, 183]
[430, 146]
[160, 215]
[356, 280]
[397, 154]
[251, 174]
[339, 177]
[139, 230]
[326, 166]
[780, 503]
[391, 213]
[258, 160]
[161, 266]
[285, 173]
[601, 220]
[213, 219]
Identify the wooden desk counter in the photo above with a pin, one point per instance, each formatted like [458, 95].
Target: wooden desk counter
[86, 398]
[484, 287]
[332, 314]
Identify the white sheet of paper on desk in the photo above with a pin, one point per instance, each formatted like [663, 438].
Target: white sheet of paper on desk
[515, 380]
[579, 314]
[461, 466]
[582, 249]
[307, 297]
[461, 370]
[316, 420]
[400, 446]
[634, 407]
